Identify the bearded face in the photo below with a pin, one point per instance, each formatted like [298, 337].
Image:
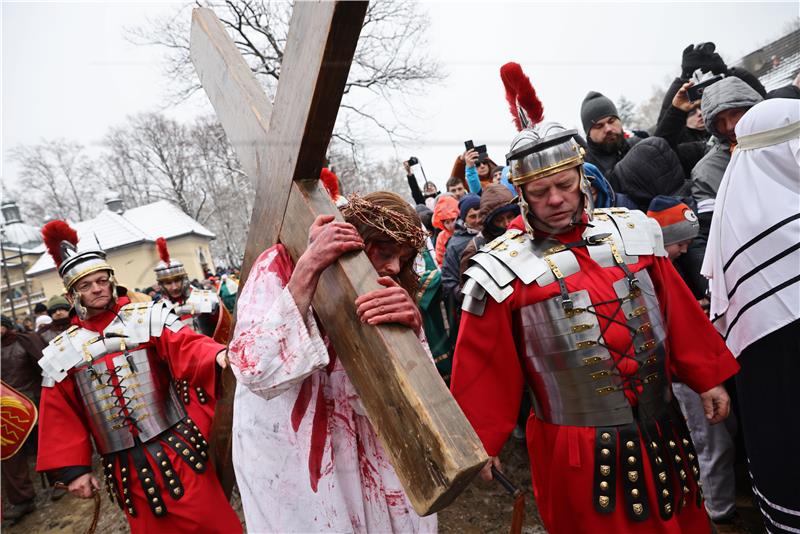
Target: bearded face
[607, 134]
[173, 288]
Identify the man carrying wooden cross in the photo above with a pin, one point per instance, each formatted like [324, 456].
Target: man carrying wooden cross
[325, 469]
[433, 451]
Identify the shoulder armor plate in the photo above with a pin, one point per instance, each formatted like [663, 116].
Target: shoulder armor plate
[63, 353]
[163, 314]
[202, 301]
[630, 234]
[639, 234]
[496, 266]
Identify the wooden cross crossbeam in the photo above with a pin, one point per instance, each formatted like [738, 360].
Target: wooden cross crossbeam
[430, 443]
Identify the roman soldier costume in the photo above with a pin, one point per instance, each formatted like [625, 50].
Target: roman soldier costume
[594, 321]
[197, 307]
[109, 377]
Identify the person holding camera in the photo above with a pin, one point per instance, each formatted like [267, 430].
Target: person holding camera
[681, 120]
[478, 167]
[430, 191]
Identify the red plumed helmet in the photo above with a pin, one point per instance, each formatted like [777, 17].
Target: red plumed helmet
[163, 251]
[331, 182]
[54, 233]
[525, 106]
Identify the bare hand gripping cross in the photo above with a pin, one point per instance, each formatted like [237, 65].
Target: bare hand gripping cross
[432, 446]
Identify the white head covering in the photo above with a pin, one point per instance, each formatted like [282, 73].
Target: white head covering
[753, 251]
[43, 320]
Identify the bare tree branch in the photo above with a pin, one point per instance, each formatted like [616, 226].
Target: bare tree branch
[389, 60]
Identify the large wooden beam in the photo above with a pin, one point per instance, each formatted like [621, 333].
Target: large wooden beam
[432, 446]
[320, 46]
[317, 56]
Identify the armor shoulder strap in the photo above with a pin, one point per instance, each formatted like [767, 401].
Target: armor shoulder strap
[62, 354]
[132, 321]
[636, 231]
[494, 268]
[518, 254]
[163, 314]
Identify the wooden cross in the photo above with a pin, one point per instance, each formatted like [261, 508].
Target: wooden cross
[430, 443]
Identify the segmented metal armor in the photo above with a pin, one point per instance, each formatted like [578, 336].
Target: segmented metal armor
[567, 364]
[130, 404]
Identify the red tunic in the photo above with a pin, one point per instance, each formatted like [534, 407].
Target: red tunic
[488, 381]
[64, 436]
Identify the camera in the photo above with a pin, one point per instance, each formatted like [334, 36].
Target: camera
[695, 92]
[483, 154]
[412, 161]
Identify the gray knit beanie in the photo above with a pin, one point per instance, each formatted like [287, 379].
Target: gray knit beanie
[595, 107]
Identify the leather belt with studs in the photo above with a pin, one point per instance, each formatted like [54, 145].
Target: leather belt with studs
[184, 388]
[666, 444]
[123, 467]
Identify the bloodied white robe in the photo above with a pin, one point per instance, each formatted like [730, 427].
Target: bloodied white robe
[306, 457]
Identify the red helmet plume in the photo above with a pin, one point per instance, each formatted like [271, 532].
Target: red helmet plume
[163, 251]
[331, 182]
[525, 106]
[54, 233]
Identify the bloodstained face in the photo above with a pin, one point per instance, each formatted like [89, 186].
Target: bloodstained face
[174, 288]
[389, 257]
[95, 290]
[554, 200]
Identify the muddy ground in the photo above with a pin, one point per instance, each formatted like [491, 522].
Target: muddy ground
[483, 507]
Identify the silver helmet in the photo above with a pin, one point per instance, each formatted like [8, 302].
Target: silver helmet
[168, 271]
[169, 268]
[61, 241]
[540, 149]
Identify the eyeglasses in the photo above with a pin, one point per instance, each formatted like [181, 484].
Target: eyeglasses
[87, 285]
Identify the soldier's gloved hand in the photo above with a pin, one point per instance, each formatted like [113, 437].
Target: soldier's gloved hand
[716, 404]
[84, 486]
[389, 305]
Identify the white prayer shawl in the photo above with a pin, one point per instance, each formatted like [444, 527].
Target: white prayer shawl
[753, 252]
[306, 457]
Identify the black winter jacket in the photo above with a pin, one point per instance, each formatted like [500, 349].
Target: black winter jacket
[650, 169]
[605, 161]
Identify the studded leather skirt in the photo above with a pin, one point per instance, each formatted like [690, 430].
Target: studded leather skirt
[135, 465]
[622, 453]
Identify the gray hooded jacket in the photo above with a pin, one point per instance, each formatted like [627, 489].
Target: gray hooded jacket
[728, 93]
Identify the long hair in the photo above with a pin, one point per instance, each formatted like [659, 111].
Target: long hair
[385, 216]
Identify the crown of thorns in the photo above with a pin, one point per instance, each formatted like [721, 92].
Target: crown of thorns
[397, 226]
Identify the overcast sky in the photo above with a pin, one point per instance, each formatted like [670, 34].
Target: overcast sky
[67, 70]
